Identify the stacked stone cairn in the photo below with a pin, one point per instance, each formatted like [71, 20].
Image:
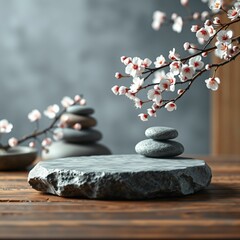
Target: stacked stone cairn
[160, 143]
[74, 142]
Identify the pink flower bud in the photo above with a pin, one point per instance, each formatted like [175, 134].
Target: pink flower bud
[204, 15]
[13, 142]
[174, 16]
[170, 106]
[204, 54]
[46, 142]
[208, 22]
[216, 20]
[77, 126]
[77, 98]
[196, 15]
[195, 28]
[208, 67]
[83, 102]
[143, 116]
[32, 144]
[180, 91]
[118, 75]
[184, 2]
[123, 58]
[186, 46]
[115, 89]
[122, 90]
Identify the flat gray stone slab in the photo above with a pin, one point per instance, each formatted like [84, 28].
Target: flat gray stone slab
[120, 177]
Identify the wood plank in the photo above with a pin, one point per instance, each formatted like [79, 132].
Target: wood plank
[210, 214]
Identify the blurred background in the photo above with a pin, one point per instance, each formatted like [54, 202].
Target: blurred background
[55, 48]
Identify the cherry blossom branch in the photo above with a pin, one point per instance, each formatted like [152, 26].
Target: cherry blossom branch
[53, 113]
[181, 71]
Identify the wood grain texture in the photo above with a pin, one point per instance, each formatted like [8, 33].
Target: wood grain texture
[225, 107]
[211, 214]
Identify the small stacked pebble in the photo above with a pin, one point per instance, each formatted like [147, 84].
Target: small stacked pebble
[75, 142]
[159, 143]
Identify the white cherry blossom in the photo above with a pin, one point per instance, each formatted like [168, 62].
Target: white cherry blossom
[126, 60]
[135, 68]
[222, 49]
[138, 103]
[170, 106]
[233, 13]
[137, 84]
[177, 24]
[158, 19]
[158, 76]
[215, 5]
[155, 95]
[115, 89]
[210, 30]
[122, 90]
[203, 33]
[143, 117]
[34, 115]
[67, 102]
[51, 111]
[151, 112]
[225, 36]
[146, 62]
[175, 67]
[165, 84]
[212, 83]
[172, 80]
[173, 55]
[186, 72]
[196, 62]
[216, 20]
[5, 126]
[160, 61]
[130, 95]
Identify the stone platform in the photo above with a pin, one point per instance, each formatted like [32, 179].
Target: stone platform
[120, 177]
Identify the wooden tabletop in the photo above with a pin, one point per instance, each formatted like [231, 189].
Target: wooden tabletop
[212, 213]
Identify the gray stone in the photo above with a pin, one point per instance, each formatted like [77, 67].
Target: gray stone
[152, 148]
[85, 121]
[63, 149]
[80, 110]
[120, 177]
[82, 136]
[161, 133]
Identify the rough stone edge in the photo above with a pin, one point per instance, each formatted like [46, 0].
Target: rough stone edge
[51, 185]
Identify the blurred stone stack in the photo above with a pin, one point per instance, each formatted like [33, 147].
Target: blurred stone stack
[76, 142]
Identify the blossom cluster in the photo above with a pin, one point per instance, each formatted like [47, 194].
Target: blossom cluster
[52, 112]
[174, 73]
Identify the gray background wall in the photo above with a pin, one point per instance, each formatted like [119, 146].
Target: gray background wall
[53, 48]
